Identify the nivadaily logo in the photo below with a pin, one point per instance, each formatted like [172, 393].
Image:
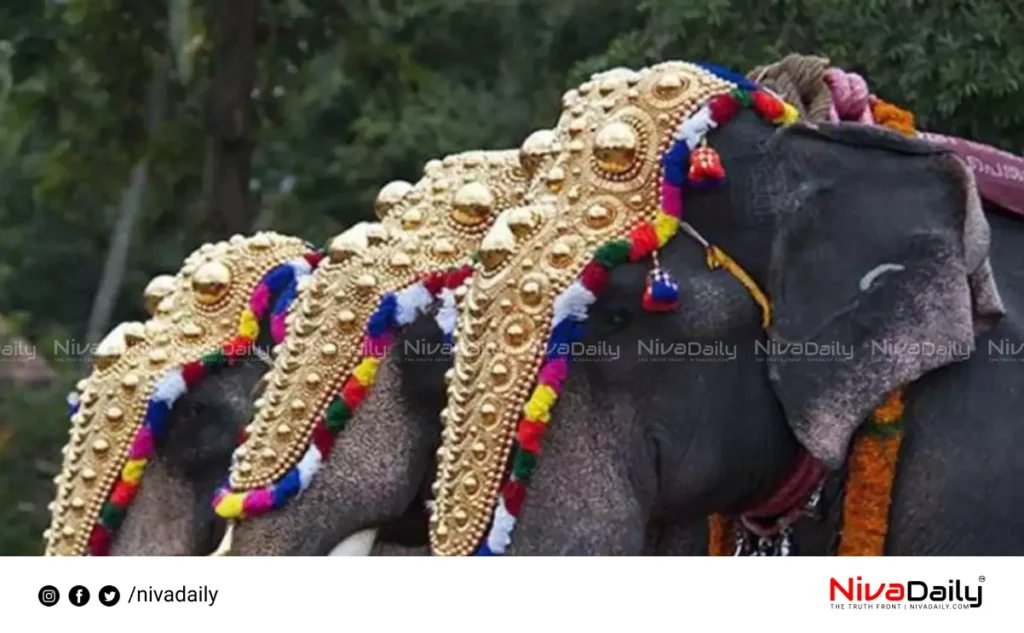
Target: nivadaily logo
[911, 594]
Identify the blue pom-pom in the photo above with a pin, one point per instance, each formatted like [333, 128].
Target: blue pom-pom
[157, 412]
[675, 163]
[563, 336]
[286, 488]
[279, 277]
[384, 317]
[729, 75]
[286, 298]
[664, 288]
[483, 550]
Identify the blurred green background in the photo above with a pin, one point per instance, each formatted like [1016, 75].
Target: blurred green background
[120, 115]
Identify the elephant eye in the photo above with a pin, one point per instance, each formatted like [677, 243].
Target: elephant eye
[619, 318]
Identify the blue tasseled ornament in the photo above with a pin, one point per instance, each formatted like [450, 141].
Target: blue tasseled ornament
[662, 292]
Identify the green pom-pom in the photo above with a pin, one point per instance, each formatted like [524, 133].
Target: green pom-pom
[214, 359]
[112, 516]
[523, 465]
[612, 254]
[337, 415]
[743, 96]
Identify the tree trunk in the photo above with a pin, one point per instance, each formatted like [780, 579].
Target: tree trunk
[232, 118]
[132, 198]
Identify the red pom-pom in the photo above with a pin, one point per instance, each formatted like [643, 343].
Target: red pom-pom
[313, 259]
[124, 492]
[241, 437]
[434, 282]
[767, 106]
[723, 108]
[237, 347]
[642, 242]
[353, 393]
[456, 278]
[705, 166]
[99, 541]
[323, 439]
[513, 493]
[529, 435]
[594, 278]
[193, 373]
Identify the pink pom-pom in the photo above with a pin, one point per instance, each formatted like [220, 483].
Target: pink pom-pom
[671, 199]
[553, 373]
[258, 502]
[142, 447]
[260, 300]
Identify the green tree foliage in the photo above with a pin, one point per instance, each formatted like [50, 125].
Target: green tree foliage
[352, 95]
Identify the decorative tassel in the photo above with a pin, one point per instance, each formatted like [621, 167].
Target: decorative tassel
[661, 293]
[706, 166]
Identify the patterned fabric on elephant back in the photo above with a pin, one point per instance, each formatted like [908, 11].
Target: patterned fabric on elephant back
[207, 316]
[380, 277]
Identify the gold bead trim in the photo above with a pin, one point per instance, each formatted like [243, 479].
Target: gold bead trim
[427, 231]
[590, 198]
[115, 395]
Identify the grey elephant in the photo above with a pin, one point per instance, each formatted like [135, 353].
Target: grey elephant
[706, 391]
[381, 464]
[403, 280]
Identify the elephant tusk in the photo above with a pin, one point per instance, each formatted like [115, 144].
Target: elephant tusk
[876, 272]
[224, 549]
[359, 544]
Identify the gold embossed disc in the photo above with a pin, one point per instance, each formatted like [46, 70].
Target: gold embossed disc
[197, 311]
[436, 225]
[603, 180]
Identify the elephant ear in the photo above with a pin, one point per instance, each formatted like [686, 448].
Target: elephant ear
[879, 267]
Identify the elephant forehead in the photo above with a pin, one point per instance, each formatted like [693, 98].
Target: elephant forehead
[330, 334]
[603, 182]
[137, 365]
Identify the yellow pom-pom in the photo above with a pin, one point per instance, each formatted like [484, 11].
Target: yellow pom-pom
[366, 371]
[230, 506]
[665, 226]
[538, 407]
[789, 114]
[248, 325]
[133, 469]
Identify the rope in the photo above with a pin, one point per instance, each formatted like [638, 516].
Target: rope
[802, 81]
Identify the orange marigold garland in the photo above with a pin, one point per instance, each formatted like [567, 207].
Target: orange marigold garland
[869, 480]
[720, 539]
[893, 117]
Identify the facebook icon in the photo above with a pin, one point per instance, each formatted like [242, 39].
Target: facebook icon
[79, 595]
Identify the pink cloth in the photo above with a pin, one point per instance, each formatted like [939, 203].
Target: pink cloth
[999, 175]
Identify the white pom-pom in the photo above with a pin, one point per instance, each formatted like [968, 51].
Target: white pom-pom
[693, 129]
[308, 466]
[411, 302]
[170, 387]
[573, 302]
[447, 315]
[501, 531]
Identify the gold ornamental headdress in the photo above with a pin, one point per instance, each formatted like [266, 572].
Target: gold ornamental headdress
[374, 283]
[204, 317]
[629, 143]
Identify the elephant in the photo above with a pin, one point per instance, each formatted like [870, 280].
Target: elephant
[375, 295]
[858, 240]
[206, 320]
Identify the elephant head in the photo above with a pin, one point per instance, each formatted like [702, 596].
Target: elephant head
[356, 309]
[191, 366]
[818, 234]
